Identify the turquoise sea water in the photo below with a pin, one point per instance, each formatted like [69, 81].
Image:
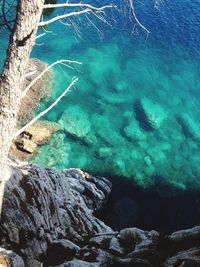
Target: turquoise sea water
[135, 111]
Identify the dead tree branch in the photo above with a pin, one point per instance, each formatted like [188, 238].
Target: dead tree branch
[136, 19]
[46, 110]
[62, 61]
[85, 8]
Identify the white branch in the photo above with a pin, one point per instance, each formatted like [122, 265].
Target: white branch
[30, 73]
[87, 9]
[45, 111]
[75, 13]
[78, 5]
[45, 70]
[135, 17]
[40, 35]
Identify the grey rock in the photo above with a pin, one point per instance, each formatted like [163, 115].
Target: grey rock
[42, 206]
[185, 235]
[136, 239]
[63, 249]
[115, 247]
[187, 258]
[48, 216]
[130, 262]
[79, 263]
[10, 258]
[184, 239]
[101, 241]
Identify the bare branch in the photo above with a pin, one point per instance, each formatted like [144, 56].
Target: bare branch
[75, 13]
[47, 69]
[46, 110]
[87, 9]
[40, 35]
[97, 9]
[135, 17]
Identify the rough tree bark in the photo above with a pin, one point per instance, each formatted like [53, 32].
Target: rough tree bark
[21, 43]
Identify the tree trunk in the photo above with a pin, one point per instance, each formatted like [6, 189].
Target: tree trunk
[21, 42]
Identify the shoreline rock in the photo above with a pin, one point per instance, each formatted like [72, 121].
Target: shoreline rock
[26, 145]
[41, 90]
[49, 217]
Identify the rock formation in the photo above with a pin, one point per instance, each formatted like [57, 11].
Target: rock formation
[43, 207]
[49, 217]
[26, 144]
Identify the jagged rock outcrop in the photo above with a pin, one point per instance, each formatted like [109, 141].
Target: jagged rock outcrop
[42, 207]
[48, 217]
[133, 247]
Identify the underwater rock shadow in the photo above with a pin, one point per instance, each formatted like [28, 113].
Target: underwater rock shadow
[186, 132]
[141, 117]
[132, 206]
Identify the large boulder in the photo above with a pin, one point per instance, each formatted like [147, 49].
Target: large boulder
[150, 114]
[25, 145]
[75, 122]
[41, 132]
[184, 239]
[134, 239]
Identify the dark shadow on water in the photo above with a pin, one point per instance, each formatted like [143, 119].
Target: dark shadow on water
[184, 127]
[162, 208]
[141, 117]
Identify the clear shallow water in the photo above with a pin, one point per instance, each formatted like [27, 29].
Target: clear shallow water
[135, 111]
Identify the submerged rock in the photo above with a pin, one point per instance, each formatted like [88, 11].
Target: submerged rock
[55, 153]
[104, 152]
[134, 132]
[150, 113]
[121, 86]
[190, 127]
[75, 122]
[106, 130]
